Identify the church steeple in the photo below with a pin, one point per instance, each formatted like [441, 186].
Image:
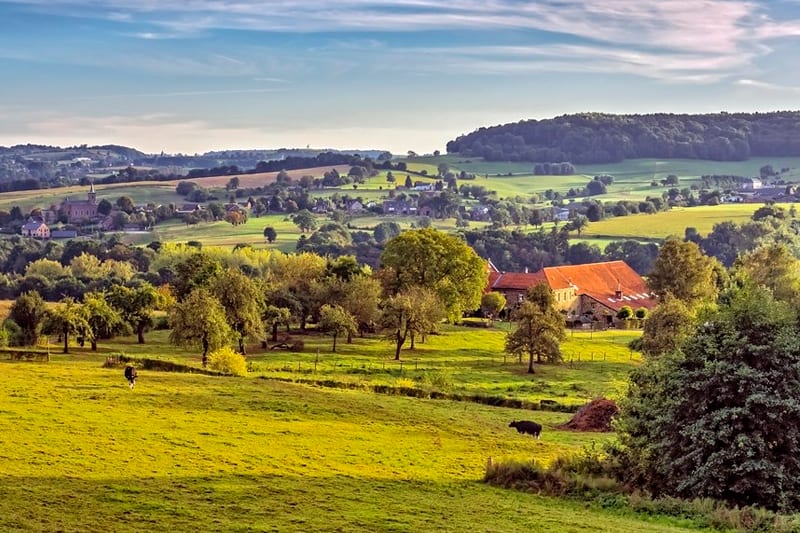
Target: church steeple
[92, 196]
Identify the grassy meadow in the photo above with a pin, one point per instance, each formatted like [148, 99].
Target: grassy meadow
[188, 452]
[673, 222]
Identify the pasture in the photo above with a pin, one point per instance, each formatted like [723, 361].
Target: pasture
[82, 452]
[673, 222]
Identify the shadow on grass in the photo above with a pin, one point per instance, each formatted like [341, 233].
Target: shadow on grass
[285, 503]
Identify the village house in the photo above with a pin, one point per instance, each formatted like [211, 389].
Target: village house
[36, 228]
[399, 207]
[595, 291]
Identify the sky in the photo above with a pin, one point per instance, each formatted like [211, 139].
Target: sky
[189, 76]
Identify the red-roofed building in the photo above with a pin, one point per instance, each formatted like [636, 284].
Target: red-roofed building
[597, 290]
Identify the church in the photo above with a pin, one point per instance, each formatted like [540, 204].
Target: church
[76, 211]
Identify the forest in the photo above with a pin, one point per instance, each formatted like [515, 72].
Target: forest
[605, 138]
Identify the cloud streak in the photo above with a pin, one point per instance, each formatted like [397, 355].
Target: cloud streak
[691, 39]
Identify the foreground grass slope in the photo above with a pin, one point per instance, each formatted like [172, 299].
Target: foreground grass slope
[82, 452]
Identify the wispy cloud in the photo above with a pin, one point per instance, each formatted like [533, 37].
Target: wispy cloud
[695, 40]
[774, 87]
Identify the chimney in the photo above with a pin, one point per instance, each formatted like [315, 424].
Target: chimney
[618, 292]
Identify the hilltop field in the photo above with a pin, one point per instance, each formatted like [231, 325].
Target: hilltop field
[271, 452]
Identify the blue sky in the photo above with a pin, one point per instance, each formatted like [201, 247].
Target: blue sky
[196, 75]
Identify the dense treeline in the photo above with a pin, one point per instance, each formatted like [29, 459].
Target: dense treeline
[604, 138]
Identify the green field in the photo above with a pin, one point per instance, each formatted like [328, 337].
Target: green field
[187, 452]
[673, 222]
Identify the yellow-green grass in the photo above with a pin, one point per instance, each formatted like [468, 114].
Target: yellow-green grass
[690, 168]
[82, 452]
[142, 192]
[672, 222]
[470, 360]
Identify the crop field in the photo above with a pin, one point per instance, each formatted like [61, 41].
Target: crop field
[673, 222]
[82, 452]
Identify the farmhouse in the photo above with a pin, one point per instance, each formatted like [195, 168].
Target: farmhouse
[595, 290]
[36, 228]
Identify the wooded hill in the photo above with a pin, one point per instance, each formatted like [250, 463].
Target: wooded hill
[604, 138]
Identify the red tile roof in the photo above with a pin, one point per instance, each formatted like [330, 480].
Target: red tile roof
[601, 281]
[515, 280]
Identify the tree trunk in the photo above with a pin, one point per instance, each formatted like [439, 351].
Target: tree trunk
[140, 333]
[275, 332]
[412, 341]
[334, 343]
[530, 364]
[401, 339]
[94, 345]
[349, 337]
[205, 352]
[66, 342]
[241, 345]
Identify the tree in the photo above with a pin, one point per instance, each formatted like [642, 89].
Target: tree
[196, 271]
[539, 328]
[243, 301]
[578, 224]
[232, 184]
[273, 317]
[439, 262]
[199, 320]
[335, 321]
[772, 266]
[270, 234]
[361, 298]
[102, 319]
[414, 310]
[125, 204]
[384, 231]
[682, 270]
[104, 207]
[135, 305]
[492, 303]
[667, 327]
[305, 220]
[625, 312]
[719, 419]
[28, 312]
[65, 319]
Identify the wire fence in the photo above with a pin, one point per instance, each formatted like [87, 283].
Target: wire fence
[573, 359]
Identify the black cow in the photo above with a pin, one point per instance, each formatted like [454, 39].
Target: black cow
[526, 426]
[131, 375]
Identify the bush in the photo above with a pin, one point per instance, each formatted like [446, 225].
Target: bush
[227, 361]
[641, 313]
[440, 379]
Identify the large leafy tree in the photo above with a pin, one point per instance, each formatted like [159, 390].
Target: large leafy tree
[28, 312]
[65, 319]
[492, 304]
[102, 319]
[666, 328]
[439, 262]
[199, 320]
[720, 418]
[335, 321]
[135, 305]
[539, 328]
[360, 298]
[682, 270]
[243, 301]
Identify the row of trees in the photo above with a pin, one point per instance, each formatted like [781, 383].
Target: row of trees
[213, 300]
[605, 138]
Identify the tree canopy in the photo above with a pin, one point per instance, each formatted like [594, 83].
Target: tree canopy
[437, 261]
[719, 418]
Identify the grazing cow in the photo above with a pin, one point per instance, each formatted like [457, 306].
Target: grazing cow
[131, 375]
[526, 426]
